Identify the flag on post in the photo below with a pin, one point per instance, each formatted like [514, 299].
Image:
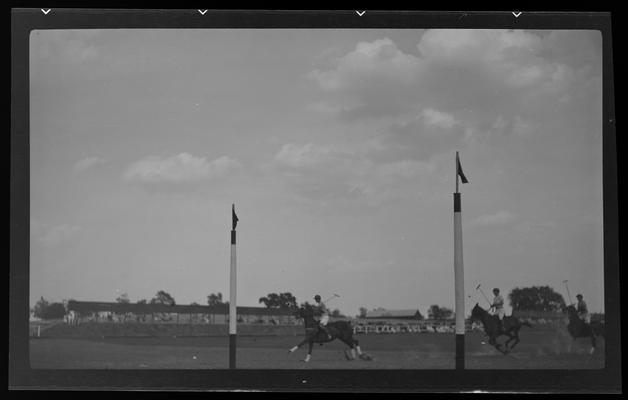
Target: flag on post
[234, 218]
[459, 170]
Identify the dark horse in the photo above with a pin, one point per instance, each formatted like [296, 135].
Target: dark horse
[577, 328]
[341, 330]
[510, 327]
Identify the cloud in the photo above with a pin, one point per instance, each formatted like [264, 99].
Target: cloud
[372, 81]
[86, 163]
[309, 156]
[58, 234]
[37, 228]
[439, 119]
[404, 169]
[65, 48]
[326, 174]
[428, 132]
[380, 60]
[476, 75]
[499, 218]
[182, 168]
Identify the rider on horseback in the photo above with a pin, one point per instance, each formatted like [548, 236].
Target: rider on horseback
[498, 306]
[583, 311]
[322, 315]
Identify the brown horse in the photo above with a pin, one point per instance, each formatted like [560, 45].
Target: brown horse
[510, 327]
[341, 330]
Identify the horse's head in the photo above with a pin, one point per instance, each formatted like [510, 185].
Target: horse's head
[304, 312]
[477, 312]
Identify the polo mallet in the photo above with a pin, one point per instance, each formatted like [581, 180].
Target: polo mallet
[567, 287]
[481, 291]
[331, 298]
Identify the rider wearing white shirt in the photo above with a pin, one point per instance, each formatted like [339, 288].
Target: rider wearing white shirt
[321, 314]
[583, 311]
[498, 305]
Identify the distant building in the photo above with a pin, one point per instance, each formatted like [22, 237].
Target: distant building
[218, 314]
[411, 314]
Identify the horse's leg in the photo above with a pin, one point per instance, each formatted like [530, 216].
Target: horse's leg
[309, 351]
[493, 341]
[516, 338]
[592, 344]
[357, 347]
[351, 346]
[510, 339]
[292, 350]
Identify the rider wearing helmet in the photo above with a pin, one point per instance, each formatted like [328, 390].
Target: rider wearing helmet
[498, 306]
[583, 311]
[321, 314]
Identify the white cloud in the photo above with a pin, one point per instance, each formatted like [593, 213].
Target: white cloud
[476, 75]
[439, 118]
[308, 156]
[86, 163]
[37, 228]
[67, 46]
[181, 168]
[54, 235]
[405, 169]
[380, 59]
[319, 173]
[499, 218]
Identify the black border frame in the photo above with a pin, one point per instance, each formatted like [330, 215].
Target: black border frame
[21, 376]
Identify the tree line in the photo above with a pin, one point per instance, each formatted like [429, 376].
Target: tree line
[534, 298]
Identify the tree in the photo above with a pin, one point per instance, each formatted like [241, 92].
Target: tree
[163, 298]
[305, 306]
[40, 308]
[336, 313]
[123, 299]
[437, 312]
[215, 299]
[282, 300]
[194, 304]
[363, 312]
[535, 298]
[418, 315]
[143, 301]
[53, 311]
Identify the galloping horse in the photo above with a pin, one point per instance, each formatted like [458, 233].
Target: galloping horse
[341, 330]
[577, 328]
[510, 327]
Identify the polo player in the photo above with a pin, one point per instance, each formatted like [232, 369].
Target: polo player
[498, 307]
[583, 311]
[321, 314]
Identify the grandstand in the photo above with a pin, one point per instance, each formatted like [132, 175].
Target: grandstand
[91, 311]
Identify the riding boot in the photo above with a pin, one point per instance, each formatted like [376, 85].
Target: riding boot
[326, 332]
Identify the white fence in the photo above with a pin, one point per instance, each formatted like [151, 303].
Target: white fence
[392, 328]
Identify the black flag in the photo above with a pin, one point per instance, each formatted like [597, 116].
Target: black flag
[459, 170]
[234, 218]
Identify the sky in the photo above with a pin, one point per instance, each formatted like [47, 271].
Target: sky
[337, 148]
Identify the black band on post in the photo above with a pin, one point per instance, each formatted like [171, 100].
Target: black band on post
[232, 351]
[457, 207]
[459, 351]
[233, 237]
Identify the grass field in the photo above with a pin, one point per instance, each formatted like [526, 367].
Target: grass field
[537, 350]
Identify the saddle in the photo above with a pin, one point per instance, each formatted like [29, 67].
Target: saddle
[503, 324]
